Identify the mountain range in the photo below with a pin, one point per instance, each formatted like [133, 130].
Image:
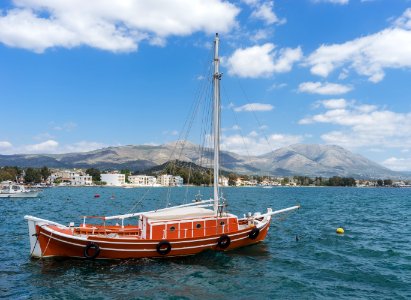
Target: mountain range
[298, 159]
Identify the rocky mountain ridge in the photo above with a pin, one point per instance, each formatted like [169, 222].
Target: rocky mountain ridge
[298, 159]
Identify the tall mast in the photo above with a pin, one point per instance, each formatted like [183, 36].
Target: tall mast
[216, 121]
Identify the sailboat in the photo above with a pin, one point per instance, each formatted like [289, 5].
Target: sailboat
[181, 230]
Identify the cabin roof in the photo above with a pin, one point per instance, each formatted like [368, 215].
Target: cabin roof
[180, 213]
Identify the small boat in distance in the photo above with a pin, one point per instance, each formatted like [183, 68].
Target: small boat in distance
[17, 191]
[181, 230]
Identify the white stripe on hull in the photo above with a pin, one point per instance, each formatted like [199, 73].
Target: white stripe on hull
[143, 242]
[137, 250]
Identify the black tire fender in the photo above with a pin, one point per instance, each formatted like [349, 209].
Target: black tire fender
[89, 246]
[163, 247]
[223, 241]
[254, 233]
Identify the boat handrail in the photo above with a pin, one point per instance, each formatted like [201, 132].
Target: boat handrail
[137, 214]
[95, 217]
[276, 212]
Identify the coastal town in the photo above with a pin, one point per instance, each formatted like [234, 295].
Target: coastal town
[45, 177]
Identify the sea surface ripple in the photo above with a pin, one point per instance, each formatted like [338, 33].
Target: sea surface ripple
[301, 258]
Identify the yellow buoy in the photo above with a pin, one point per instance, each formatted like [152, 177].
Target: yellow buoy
[340, 230]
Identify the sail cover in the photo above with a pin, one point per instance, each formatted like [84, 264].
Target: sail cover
[180, 213]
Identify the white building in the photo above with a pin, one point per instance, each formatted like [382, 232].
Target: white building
[165, 180]
[223, 181]
[114, 179]
[68, 177]
[81, 180]
[142, 180]
[170, 180]
[178, 181]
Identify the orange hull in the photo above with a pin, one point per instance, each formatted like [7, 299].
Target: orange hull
[53, 242]
[157, 234]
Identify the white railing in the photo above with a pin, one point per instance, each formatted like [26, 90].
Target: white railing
[197, 204]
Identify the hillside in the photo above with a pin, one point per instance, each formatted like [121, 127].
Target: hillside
[299, 159]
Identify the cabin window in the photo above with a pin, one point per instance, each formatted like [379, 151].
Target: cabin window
[172, 228]
[198, 225]
[222, 223]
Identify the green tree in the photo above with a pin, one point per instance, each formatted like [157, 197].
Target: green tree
[95, 173]
[45, 173]
[32, 175]
[341, 181]
[285, 181]
[380, 182]
[232, 178]
[9, 173]
[127, 173]
[387, 182]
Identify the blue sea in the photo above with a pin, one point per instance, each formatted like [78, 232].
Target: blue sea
[301, 258]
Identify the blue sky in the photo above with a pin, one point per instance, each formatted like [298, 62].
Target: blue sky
[77, 76]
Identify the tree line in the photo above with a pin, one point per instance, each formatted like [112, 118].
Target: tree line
[29, 175]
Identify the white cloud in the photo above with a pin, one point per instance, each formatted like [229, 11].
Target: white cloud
[262, 61]
[364, 126]
[255, 144]
[48, 146]
[4, 145]
[116, 26]
[368, 55]
[234, 128]
[51, 147]
[264, 11]
[151, 144]
[277, 86]
[82, 146]
[405, 20]
[325, 88]
[254, 107]
[261, 34]
[342, 2]
[68, 126]
[253, 133]
[333, 103]
[397, 164]
[43, 136]
[343, 75]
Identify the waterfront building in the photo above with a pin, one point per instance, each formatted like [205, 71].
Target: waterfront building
[81, 180]
[178, 181]
[165, 180]
[69, 177]
[142, 180]
[114, 179]
[223, 181]
[239, 182]
[170, 180]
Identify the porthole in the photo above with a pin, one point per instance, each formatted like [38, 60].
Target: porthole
[172, 228]
[222, 223]
[198, 225]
